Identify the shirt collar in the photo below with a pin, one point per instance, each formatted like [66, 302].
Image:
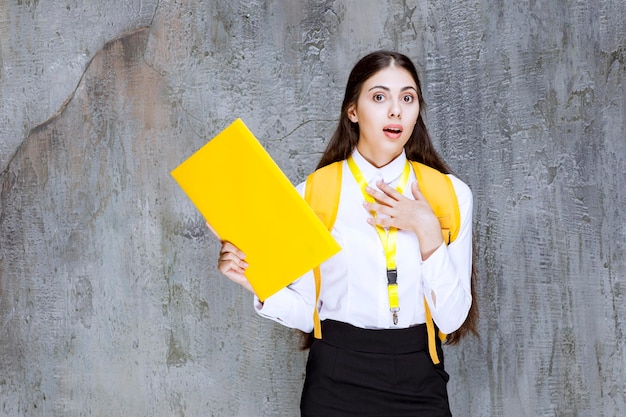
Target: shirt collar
[389, 173]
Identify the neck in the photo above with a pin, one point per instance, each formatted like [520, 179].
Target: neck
[378, 160]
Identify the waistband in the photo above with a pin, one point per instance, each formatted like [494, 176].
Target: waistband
[390, 341]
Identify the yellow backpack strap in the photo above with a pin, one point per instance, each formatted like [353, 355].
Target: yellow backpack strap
[438, 190]
[323, 188]
[430, 330]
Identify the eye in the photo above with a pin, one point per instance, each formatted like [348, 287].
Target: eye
[378, 97]
[408, 98]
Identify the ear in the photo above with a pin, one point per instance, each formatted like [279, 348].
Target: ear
[352, 114]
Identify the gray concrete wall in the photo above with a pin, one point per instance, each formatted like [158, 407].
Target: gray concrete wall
[110, 304]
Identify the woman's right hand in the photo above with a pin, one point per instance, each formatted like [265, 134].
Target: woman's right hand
[232, 264]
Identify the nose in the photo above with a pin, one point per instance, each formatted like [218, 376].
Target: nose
[395, 109]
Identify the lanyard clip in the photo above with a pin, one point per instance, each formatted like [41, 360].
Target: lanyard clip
[394, 315]
[392, 288]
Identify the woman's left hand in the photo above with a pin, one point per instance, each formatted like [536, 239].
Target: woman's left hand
[406, 214]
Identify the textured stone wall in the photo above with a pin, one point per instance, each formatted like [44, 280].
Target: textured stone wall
[110, 303]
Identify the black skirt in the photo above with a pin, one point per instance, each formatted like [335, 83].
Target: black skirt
[373, 373]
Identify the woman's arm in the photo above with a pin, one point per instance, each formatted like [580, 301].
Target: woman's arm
[447, 272]
[292, 306]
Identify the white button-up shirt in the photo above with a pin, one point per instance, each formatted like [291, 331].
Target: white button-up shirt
[354, 281]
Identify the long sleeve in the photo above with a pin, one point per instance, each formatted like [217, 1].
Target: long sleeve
[292, 306]
[447, 272]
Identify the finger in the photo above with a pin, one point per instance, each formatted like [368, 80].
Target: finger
[415, 189]
[225, 257]
[231, 256]
[378, 208]
[228, 266]
[388, 190]
[382, 222]
[229, 247]
[380, 196]
[238, 278]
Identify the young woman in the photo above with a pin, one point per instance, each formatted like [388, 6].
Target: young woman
[372, 361]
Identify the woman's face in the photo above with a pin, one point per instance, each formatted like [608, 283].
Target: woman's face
[386, 112]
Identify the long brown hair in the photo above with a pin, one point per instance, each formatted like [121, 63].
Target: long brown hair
[418, 148]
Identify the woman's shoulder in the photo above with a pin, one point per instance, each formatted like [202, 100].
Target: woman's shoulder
[462, 190]
[324, 173]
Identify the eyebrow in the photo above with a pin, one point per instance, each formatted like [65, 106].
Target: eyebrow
[408, 87]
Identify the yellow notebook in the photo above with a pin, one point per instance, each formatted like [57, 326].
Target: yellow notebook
[249, 201]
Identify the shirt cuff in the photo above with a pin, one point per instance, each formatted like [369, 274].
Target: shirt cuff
[275, 306]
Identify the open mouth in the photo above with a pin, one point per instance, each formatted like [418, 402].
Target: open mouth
[392, 129]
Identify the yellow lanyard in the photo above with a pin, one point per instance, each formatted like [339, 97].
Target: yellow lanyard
[387, 238]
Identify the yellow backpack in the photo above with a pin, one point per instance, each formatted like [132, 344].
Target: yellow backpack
[323, 188]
